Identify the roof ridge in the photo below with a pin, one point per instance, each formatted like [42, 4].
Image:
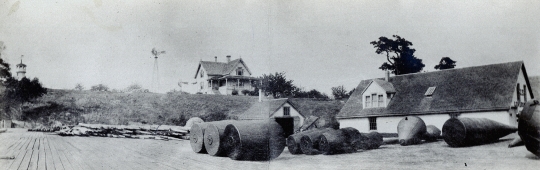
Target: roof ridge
[452, 69]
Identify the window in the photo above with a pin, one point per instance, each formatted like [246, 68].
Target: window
[372, 123]
[286, 111]
[202, 73]
[430, 91]
[202, 85]
[381, 100]
[241, 83]
[373, 100]
[368, 102]
[239, 71]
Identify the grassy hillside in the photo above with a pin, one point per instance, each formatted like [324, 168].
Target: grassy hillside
[71, 107]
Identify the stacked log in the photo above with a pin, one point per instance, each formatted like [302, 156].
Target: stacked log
[309, 142]
[529, 126]
[459, 132]
[254, 140]
[339, 141]
[293, 141]
[411, 130]
[214, 137]
[196, 138]
[516, 142]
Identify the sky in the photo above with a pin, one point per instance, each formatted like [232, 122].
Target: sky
[318, 44]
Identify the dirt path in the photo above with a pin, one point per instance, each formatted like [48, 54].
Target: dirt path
[37, 150]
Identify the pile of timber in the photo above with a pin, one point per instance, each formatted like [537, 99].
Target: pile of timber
[412, 130]
[126, 131]
[255, 140]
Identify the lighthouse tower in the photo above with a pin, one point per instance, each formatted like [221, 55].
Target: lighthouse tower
[21, 70]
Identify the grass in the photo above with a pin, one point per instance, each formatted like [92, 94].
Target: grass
[72, 107]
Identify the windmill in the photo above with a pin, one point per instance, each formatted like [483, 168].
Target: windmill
[155, 72]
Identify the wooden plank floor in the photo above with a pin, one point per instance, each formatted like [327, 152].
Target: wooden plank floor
[48, 151]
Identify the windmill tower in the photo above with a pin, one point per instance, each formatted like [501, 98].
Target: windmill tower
[155, 72]
[21, 69]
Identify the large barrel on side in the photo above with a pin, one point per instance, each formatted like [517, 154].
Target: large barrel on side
[254, 140]
[293, 141]
[459, 132]
[432, 133]
[309, 142]
[214, 137]
[339, 141]
[529, 126]
[411, 130]
[196, 137]
[372, 140]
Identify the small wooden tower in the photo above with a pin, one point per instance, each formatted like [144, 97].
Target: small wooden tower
[21, 70]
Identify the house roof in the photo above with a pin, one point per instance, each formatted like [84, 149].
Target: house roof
[265, 109]
[535, 85]
[387, 86]
[479, 88]
[220, 68]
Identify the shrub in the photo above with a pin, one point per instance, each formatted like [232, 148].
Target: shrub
[235, 92]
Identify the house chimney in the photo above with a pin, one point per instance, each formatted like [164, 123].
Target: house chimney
[386, 75]
[260, 95]
[215, 58]
[228, 58]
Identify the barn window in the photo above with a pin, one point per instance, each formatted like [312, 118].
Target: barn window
[368, 102]
[286, 111]
[381, 100]
[374, 100]
[430, 91]
[372, 123]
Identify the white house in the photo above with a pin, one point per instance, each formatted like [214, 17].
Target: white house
[273, 108]
[496, 92]
[213, 77]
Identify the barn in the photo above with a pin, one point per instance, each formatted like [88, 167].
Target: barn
[273, 108]
[496, 92]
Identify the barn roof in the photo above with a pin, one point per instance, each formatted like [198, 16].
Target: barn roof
[535, 85]
[219, 68]
[479, 88]
[265, 109]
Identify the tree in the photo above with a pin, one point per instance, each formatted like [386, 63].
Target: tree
[445, 63]
[399, 54]
[340, 92]
[4, 66]
[277, 85]
[22, 91]
[79, 87]
[99, 87]
[298, 93]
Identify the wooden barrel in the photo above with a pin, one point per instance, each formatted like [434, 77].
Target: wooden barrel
[213, 137]
[309, 142]
[432, 133]
[529, 126]
[459, 132]
[254, 140]
[372, 140]
[196, 137]
[339, 141]
[411, 130]
[293, 142]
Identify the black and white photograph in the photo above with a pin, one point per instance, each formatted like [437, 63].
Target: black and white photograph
[269, 84]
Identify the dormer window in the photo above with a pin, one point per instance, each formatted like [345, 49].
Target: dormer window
[239, 71]
[430, 91]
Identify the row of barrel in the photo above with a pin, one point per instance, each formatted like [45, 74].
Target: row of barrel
[239, 140]
[266, 139]
[330, 141]
[462, 131]
[456, 132]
